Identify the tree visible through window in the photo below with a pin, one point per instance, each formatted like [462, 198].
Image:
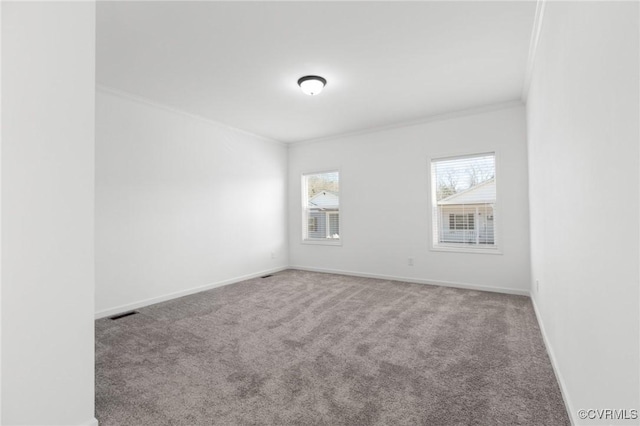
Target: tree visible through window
[321, 206]
[463, 201]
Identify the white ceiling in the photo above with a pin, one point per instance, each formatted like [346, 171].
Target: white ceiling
[385, 62]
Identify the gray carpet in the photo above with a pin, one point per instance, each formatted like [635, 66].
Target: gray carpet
[303, 348]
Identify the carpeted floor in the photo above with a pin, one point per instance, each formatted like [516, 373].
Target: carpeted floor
[303, 348]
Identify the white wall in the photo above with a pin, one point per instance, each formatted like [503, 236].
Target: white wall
[392, 165]
[181, 203]
[583, 160]
[48, 80]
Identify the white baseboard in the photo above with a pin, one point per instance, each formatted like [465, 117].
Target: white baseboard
[141, 303]
[417, 280]
[563, 388]
[92, 422]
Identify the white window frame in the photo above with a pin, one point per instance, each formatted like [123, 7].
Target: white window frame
[496, 247]
[303, 197]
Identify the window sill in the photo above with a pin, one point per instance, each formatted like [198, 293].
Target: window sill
[454, 249]
[320, 242]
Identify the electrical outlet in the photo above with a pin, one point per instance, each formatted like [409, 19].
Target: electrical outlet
[410, 261]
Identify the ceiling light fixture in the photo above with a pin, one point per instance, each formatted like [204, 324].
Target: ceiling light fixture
[311, 84]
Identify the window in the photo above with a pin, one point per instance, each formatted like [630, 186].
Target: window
[313, 224]
[463, 197]
[460, 221]
[321, 207]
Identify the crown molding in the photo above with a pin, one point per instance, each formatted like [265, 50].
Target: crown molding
[533, 47]
[424, 120]
[428, 119]
[148, 102]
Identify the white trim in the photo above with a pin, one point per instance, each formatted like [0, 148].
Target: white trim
[554, 364]
[467, 248]
[428, 119]
[322, 172]
[91, 422]
[148, 102]
[439, 283]
[323, 242]
[533, 48]
[141, 303]
[424, 120]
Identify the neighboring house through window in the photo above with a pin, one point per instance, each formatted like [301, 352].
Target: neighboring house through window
[321, 207]
[463, 197]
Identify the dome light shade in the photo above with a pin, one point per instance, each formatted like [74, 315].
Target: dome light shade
[312, 84]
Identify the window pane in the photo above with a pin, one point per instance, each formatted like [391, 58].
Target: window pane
[334, 225]
[321, 206]
[464, 197]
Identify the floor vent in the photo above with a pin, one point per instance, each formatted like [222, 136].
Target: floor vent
[267, 276]
[124, 314]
